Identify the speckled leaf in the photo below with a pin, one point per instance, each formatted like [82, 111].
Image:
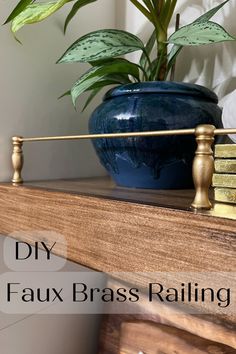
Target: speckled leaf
[209, 14]
[101, 44]
[35, 13]
[107, 80]
[175, 50]
[95, 74]
[198, 33]
[76, 7]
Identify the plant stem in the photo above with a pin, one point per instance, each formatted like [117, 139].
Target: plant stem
[162, 59]
[170, 11]
[166, 14]
[160, 5]
[155, 4]
[155, 18]
[158, 12]
[141, 8]
[177, 25]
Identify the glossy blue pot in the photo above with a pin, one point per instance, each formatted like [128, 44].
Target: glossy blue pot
[154, 162]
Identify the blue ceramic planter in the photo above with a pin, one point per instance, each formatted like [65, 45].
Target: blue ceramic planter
[155, 162]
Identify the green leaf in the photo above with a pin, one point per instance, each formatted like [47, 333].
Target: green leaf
[18, 9]
[102, 61]
[35, 13]
[101, 44]
[152, 69]
[76, 7]
[91, 97]
[108, 80]
[120, 78]
[176, 49]
[148, 49]
[67, 93]
[209, 14]
[199, 33]
[142, 9]
[95, 74]
[97, 87]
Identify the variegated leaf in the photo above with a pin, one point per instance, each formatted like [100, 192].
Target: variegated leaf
[18, 9]
[198, 33]
[101, 44]
[209, 14]
[36, 12]
[96, 74]
[107, 80]
[176, 49]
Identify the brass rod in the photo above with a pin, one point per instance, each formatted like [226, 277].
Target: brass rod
[126, 135]
[225, 131]
[113, 135]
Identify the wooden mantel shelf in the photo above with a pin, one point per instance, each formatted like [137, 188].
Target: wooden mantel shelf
[113, 229]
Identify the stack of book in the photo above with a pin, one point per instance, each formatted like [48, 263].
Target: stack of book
[224, 179]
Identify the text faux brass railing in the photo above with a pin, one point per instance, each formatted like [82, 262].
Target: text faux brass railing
[203, 164]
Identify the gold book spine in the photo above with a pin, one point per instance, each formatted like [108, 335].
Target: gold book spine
[225, 166]
[225, 151]
[224, 180]
[226, 195]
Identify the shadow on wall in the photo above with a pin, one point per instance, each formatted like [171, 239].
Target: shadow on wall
[213, 66]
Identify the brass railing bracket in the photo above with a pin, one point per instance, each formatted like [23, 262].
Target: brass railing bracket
[17, 160]
[203, 166]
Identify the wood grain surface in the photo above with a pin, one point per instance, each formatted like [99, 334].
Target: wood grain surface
[113, 233]
[151, 338]
[104, 187]
[111, 330]
[207, 327]
[119, 236]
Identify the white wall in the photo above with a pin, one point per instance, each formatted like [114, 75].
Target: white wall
[30, 85]
[213, 66]
[31, 82]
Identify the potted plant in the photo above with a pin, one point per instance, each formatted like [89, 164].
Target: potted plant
[144, 98]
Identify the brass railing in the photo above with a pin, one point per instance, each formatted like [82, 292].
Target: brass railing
[203, 164]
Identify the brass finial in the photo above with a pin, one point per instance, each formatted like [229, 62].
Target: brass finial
[203, 166]
[17, 160]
